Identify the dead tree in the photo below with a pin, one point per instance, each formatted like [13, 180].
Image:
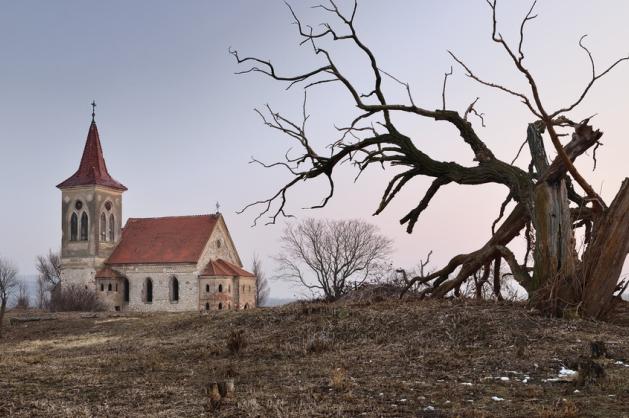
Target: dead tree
[8, 283]
[328, 256]
[262, 283]
[49, 268]
[552, 198]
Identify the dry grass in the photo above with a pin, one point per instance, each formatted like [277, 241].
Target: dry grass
[392, 358]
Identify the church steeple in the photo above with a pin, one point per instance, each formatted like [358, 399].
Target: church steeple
[92, 169]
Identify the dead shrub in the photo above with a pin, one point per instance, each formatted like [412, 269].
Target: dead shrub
[75, 298]
[561, 409]
[338, 378]
[236, 342]
[318, 343]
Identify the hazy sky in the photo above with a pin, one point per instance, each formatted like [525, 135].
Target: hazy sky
[178, 127]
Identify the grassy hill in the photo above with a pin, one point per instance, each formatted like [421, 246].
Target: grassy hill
[392, 358]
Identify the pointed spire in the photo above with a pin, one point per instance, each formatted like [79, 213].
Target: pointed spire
[92, 169]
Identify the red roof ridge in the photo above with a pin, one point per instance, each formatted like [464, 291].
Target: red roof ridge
[221, 267]
[92, 169]
[173, 217]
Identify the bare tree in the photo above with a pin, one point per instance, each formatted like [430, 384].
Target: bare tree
[548, 205]
[329, 255]
[262, 283]
[22, 301]
[49, 268]
[43, 296]
[8, 283]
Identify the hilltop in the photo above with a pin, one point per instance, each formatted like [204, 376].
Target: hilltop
[390, 358]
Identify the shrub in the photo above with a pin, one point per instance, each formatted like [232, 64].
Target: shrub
[318, 343]
[74, 298]
[236, 342]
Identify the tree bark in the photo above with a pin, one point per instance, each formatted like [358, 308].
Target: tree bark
[555, 257]
[605, 256]
[3, 306]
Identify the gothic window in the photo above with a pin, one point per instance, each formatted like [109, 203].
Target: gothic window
[112, 228]
[102, 287]
[174, 289]
[109, 287]
[148, 290]
[220, 288]
[207, 288]
[103, 227]
[74, 227]
[125, 286]
[220, 306]
[207, 306]
[84, 226]
[229, 289]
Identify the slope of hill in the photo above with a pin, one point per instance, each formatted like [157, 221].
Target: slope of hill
[392, 358]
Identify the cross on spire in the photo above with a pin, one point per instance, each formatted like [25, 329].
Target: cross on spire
[218, 207]
[93, 109]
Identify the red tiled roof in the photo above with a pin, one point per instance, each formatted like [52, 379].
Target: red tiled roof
[177, 239]
[221, 267]
[92, 170]
[107, 273]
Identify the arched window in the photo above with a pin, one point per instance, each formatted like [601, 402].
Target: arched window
[246, 306]
[102, 287]
[220, 306]
[109, 287]
[125, 288]
[103, 227]
[229, 288]
[220, 288]
[207, 306]
[74, 227]
[84, 226]
[207, 288]
[112, 228]
[148, 290]
[174, 289]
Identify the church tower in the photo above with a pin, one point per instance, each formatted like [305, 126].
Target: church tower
[91, 214]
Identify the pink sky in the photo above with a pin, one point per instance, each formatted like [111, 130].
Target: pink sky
[178, 128]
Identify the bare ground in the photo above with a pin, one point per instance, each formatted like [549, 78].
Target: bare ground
[391, 358]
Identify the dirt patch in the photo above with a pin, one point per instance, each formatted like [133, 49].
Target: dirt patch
[391, 358]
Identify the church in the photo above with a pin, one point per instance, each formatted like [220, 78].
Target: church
[176, 263]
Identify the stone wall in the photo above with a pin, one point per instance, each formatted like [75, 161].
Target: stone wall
[219, 245]
[211, 296]
[161, 276]
[111, 293]
[80, 276]
[247, 292]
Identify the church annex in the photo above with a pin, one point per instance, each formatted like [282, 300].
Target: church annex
[179, 263]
